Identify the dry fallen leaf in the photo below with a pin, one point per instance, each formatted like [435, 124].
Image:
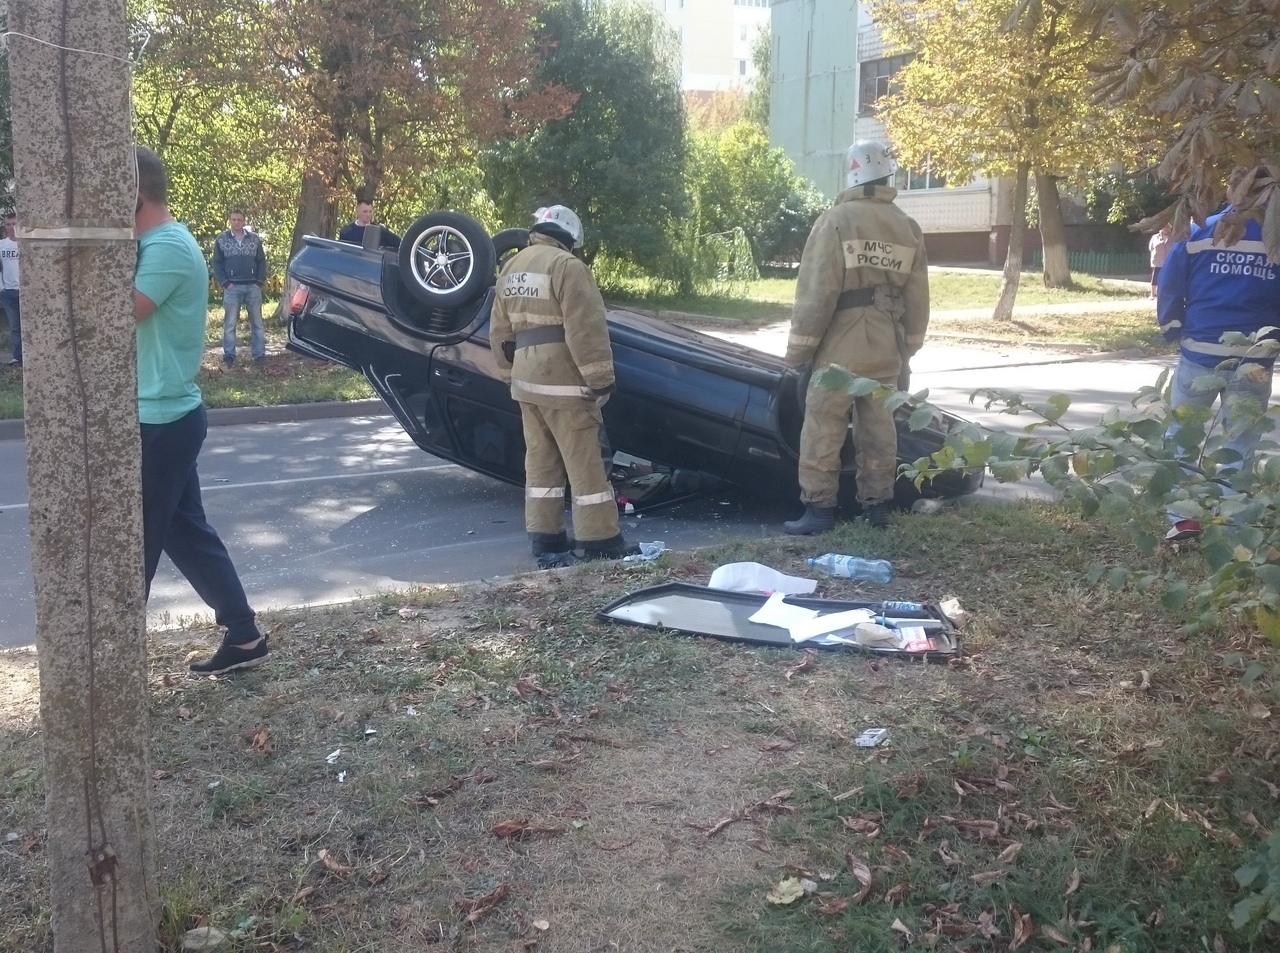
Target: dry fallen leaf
[260, 740]
[900, 927]
[1023, 928]
[1010, 852]
[897, 893]
[986, 925]
[1073, 882]
[541, 925]
[862, 825]
[777, 746]
[184, 713]
[303, 894]
[775, 802]
[897, 853]
[477, 907]
[948, 858]
[512, 828]
[988, 877]
[808, 665]
[1259, 711]
[786, 891]
[833, 906]
[332, 864]
[862, 873]
[408, 612]
[160, 774]
[1054, 935]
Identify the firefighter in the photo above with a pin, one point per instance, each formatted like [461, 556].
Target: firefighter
[862, 303]
[551, 344]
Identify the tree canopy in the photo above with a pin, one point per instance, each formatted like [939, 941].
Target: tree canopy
[737, 181]
[257, 99]
[617, 157]
[1207, 70]
[979, 98]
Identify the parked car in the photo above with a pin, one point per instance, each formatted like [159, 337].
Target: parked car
[699, 409]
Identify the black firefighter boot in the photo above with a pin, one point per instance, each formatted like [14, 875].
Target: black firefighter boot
[615, 547]
[877, 515]
[552, 549]
[816, 519]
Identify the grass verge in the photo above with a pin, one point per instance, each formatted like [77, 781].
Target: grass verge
[283, 378]
[770, 299]
[491, 768]
[1103, 330]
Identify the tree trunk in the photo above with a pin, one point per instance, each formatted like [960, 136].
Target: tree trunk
[316, 211]
[1013, 258]
[73, 158]
[1053, 236]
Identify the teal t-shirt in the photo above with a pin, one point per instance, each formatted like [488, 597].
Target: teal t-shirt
[172, 273]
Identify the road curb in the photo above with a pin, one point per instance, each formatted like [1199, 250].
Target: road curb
[224, 416]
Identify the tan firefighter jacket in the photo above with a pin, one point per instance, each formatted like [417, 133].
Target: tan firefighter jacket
[548, 306]
[863, 241]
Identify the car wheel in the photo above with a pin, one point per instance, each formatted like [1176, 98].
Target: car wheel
[507, 242]
[446, 259]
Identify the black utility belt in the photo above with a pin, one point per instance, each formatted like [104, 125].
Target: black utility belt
[550, 334]
[858, 298]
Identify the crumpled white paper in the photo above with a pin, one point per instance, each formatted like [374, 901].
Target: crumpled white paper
[756, 577]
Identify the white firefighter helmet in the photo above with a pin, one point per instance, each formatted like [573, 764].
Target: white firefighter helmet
[563, 218]
[868, 160]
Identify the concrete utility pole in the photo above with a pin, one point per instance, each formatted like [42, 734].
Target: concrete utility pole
[73, 159]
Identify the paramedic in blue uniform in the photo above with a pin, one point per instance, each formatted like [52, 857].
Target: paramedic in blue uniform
[1205, 291]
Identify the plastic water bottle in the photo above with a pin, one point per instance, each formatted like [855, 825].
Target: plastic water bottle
[853, 567]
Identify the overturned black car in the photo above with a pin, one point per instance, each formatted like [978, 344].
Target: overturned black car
[690, 411]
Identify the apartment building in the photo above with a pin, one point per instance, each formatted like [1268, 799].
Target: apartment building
[829, 67]
[716, 38]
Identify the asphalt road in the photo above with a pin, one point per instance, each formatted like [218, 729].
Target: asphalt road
[320, 511]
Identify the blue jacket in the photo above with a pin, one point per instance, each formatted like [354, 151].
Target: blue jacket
[239, 262]
[1206, 290]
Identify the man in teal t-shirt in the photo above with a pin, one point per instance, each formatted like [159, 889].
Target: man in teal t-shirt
[170, 303]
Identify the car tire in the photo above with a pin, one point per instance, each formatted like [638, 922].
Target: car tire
[446, 259]
[507, 242]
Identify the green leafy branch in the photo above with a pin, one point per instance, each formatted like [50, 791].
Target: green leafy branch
[1129, 469]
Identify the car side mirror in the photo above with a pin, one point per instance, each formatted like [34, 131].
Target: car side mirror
[372, 237]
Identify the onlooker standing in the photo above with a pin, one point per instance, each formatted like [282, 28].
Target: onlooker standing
[862, 303]
[353, 232]
[171, 293]
[1159, 248]
[9, 286]
[1205, 291]
[240, 268]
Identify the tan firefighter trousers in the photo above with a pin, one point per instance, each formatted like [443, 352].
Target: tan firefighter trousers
[564, 446]
[826, 422]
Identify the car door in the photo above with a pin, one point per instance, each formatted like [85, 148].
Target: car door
[482, 419]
